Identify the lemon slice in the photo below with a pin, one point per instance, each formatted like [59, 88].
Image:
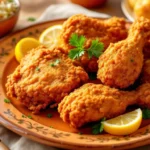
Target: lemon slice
[49, 37]
[124, 124]
[25, 45]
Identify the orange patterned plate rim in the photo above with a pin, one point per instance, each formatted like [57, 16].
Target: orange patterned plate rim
[12, 119]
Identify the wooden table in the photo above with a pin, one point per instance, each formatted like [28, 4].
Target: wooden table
[36, 8]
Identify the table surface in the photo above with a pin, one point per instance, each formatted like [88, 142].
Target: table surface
[112, 7]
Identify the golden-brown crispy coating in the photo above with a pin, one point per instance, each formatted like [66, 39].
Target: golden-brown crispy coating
[145, 75]
[106, 31]
[92, 102]
[146, 50]
[38, 81]
[120, 65]
[143, 93]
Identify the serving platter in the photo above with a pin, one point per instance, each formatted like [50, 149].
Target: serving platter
[53, 131]
[128, 12]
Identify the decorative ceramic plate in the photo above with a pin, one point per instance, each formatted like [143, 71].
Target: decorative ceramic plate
[53, 131]
[128, 12]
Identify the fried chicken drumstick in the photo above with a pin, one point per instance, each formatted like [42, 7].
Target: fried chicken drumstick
[44, 76]
[92, 102]
[120, 65]
[106, 31]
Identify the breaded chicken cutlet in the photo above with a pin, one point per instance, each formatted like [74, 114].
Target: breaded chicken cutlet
[92, 102]
[44, 76]
[106, 31]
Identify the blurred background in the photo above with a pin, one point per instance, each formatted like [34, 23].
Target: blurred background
[35, 8]
[30, 11]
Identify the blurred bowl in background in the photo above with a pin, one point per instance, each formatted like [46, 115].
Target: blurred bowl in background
[89, 3]
[7, 24]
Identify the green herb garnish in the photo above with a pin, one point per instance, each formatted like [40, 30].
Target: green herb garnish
[96, 48]
[98, 128]
[32, 19]
[37, 69]
[29, 116]
[57, 61]
[146, 113]
[51, 126]
[6, 100]
[49, 115]
[23, 116]
[10, 1]
[78, 43]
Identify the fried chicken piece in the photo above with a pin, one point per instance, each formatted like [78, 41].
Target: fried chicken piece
[121, 64]
[92, 102]
[146, 50]
[106, 31]
[145, 75]
[44, 76]
[143, 93]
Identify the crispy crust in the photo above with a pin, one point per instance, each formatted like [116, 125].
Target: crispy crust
[121, 64]
[145, 75]
[92, 102]
[37, 84]
[143, 92]
[106, 31]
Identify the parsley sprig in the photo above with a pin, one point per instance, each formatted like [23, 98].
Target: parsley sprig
[6, 100]
[49, 115]
[31, 19]
[95, 49]
[99, 127]
[29, 116]
[146, 113]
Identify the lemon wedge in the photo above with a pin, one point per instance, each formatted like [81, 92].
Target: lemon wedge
[25, 45]
[124, 124]
[49, 37]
